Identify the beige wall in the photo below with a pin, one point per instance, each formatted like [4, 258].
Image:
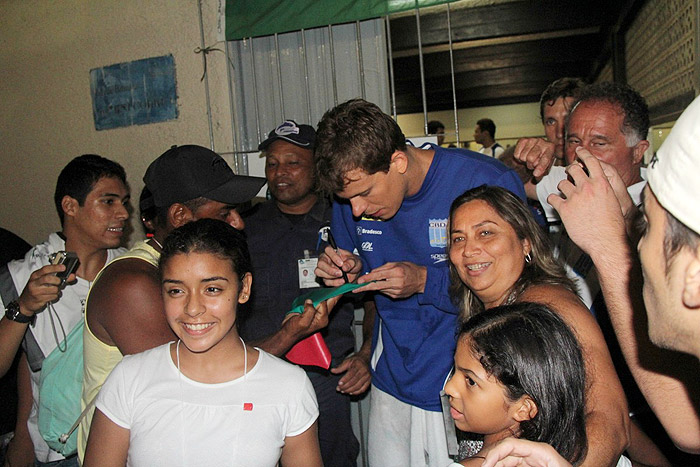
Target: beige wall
[512, 122]
[48, 49]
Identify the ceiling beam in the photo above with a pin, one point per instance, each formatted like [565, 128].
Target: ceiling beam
[471, 44]
[502, 20]
[499, 57]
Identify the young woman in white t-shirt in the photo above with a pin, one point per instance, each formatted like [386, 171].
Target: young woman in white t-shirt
[207, 399]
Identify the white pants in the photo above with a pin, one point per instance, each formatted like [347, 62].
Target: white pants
[402, 435]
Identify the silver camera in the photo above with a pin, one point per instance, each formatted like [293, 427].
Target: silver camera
[67, 258]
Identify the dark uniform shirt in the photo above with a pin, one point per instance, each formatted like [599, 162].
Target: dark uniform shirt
[276, 242]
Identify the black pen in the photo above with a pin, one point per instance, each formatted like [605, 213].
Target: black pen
[331, 242]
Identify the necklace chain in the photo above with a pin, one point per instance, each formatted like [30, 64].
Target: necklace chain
[157, 242]
[245, 358]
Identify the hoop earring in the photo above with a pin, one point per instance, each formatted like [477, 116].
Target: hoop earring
[528, 258]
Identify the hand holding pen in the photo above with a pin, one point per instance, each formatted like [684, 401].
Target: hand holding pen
[331, 262]
[331, 242]
[327, 236]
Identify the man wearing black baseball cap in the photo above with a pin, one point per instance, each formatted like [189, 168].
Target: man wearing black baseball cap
[186, 173]
[124, 309]
[303, 136]
[283, 242]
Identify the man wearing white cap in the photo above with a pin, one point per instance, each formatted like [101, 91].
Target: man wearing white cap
[669, 251]
[672, 282]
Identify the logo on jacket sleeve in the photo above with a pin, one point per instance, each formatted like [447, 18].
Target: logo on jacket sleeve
[364, 231]
[437, 232]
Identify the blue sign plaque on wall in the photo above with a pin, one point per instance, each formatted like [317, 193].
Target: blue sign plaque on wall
[134, 93]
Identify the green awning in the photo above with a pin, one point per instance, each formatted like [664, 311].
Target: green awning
[251, 18]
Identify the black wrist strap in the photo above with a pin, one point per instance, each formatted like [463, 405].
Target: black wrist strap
[12, 313]
[31, 348]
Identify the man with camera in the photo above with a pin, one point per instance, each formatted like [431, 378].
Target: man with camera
[91, 197]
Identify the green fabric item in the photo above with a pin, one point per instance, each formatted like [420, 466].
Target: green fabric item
[251, 18]
[60, 390]
[322, 294]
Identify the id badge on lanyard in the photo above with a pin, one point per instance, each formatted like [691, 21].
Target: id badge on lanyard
[305, 270]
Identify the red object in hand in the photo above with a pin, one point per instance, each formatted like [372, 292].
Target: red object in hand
[311, 351]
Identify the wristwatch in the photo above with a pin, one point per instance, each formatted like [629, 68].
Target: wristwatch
[12, 313]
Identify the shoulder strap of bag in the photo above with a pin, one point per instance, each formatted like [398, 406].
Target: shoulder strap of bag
[8, 292]
[64, 436]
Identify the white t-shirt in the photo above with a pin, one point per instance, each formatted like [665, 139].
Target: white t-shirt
[176, 421]
[578, 265]
[492, 151]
